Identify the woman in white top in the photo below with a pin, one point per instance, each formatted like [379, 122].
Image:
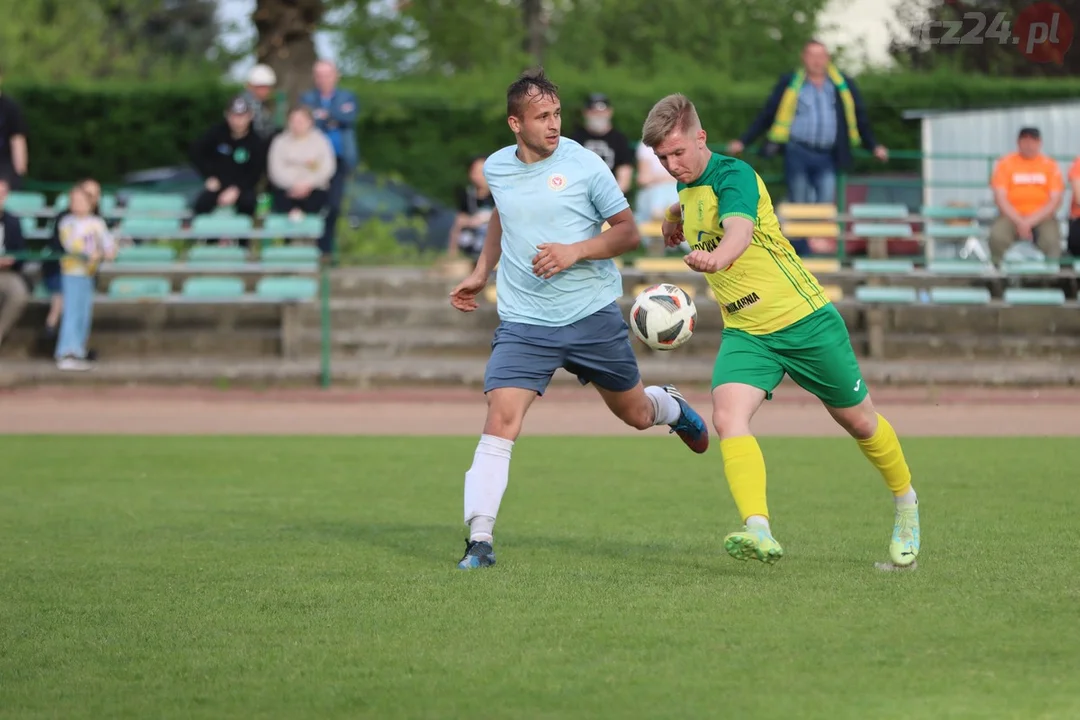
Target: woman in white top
[300, 164]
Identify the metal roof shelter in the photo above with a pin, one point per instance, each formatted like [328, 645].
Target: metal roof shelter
[988, 132]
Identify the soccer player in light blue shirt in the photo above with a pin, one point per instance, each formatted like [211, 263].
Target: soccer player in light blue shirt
[558, 289]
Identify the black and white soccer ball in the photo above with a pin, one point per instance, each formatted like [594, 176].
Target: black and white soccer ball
[663, 316]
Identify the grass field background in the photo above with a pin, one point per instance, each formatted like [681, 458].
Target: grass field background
[315, 578]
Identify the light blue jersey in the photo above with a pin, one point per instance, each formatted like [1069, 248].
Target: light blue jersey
[565, 198]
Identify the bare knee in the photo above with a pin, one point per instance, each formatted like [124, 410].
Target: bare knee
[859, 421]
[730, 422]
[638, 416]
[506, 412]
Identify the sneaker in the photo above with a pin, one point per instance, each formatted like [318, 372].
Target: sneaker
[690, 427]
[477, 555]
[904, 547]
[754, 544]
[71, 363]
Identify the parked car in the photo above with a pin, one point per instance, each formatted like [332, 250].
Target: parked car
[367, 196]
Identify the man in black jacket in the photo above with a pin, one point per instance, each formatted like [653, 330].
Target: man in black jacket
[815, 116]
[14, 293]
[231, 157]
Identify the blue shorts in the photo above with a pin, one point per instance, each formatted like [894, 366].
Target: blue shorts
[51, 281]
[596, 349]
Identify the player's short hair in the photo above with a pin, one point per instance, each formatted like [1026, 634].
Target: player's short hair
[675, 112]
[530, 82]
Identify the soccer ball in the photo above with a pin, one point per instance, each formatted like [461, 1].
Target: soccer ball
[663, 316]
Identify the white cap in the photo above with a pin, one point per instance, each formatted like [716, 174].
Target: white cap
[262, 75]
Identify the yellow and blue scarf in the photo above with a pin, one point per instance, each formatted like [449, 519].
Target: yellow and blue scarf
[780, 131]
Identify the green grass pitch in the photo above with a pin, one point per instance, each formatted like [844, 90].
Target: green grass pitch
[314, 578]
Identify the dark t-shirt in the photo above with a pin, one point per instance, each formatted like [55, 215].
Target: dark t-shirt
[11, 124]
[471, 240]
[612, 147]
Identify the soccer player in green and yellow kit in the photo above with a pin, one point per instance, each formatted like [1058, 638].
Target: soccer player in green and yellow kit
[777, 320]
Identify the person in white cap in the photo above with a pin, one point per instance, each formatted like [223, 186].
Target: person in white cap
[260, 84]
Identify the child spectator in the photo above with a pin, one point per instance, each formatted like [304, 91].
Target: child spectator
[300, 165]
[50, 269]
[87, 241]
[475, 205]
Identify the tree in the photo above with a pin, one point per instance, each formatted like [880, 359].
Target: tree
[286, 40]
[977, 36]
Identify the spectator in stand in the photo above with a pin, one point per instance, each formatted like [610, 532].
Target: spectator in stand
[50, 269]
[1074, 209]
[657, 189]
[260, 86]
[475, 205]
[14, 293]
[232, 159]
[300, 165]
[1028, 188]
[335, 112]
[815, 116]
[86, 241]
[14, 157]
[596, 133]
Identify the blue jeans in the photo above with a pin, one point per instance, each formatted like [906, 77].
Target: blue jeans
[78, 310]
[810, 174]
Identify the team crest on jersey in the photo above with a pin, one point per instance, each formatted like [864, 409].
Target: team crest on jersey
[557, 182]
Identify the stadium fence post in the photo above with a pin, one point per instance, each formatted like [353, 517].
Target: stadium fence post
[841, 208]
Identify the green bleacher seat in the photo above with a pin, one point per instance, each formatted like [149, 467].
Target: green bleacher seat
[868, 265]
[959, 267]
[40, 292]
[1076, 267]
[287, 288]
[21, 202]
[216, 255]
[959, 296]
[1034, 296]
[156, 203]
[879, 211]
[881, 230]
[142, 254]
[953, 232]
[220, 225]
[28, 224]
[290, 255]
[1031, 267]
[213, 287]
[133, 287]
[887, 295]
[149, 227]
[944, 212]
[310, 227]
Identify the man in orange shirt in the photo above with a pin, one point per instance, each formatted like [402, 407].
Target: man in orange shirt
[1027, 189]
[1074, 209]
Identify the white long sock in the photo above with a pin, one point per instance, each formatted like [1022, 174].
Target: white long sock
[485, 483]
[908, 498]
[667, 407]
[758, 521]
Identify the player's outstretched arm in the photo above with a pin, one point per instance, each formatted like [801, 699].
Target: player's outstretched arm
[621, 237]
[463, 297]
[738, 232]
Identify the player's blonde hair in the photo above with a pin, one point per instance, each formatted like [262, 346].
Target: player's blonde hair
[675, 112]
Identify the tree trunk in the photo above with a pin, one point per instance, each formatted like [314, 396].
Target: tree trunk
[287, 41]
[535, 29]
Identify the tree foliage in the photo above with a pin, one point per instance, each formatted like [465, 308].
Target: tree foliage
[976, 36]
[286, 30]
[77, 40]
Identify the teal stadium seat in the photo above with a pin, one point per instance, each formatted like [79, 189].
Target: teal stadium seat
[149, 228]
[221, 225]
[938, 231]
[878, 211]
[207, 255]
[1034, 296]
[310, 227]
[28, 224]
[959, 296]
[146, 254]
[133, 287]
[107, 205]
[967, 268]
[881, 230]
[944, 212]
[291, 255]
[213, 287]
[21, 202]
[1031, 267]
[170, 204]
[287, 288]
[883, 267]
[885, 295]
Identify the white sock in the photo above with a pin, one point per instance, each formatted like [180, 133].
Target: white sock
[485, 484]
[758, 522]
[667, 408]
[908, 498]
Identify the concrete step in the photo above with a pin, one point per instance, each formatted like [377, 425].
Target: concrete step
[25, 343]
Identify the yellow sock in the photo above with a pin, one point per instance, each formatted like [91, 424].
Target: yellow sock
[883, 450]
[744, 466]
